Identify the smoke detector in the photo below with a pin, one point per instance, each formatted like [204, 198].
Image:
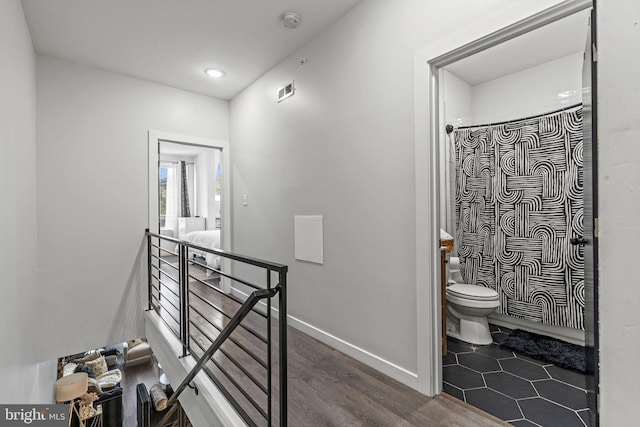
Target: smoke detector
[290, 20]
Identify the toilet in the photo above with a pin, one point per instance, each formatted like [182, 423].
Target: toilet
[468, 307]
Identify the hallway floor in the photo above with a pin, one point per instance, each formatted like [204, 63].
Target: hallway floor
[519, 390]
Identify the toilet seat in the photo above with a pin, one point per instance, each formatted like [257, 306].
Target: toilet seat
[472, 292]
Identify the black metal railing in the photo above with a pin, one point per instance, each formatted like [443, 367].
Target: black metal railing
[225, 322]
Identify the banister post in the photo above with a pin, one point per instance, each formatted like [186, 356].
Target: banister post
[282, 307]
[149, 279]
[183, 278]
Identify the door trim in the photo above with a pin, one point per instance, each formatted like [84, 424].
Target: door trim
[504, 25]
[155, 137]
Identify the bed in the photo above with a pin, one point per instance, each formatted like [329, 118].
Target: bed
[206, 239]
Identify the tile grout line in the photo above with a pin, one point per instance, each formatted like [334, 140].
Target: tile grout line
[534, 363]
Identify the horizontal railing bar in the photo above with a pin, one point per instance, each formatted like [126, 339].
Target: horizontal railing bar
[234, 361]
[166, 295]
[246, 328]
[167, 323]
[159, 270]
[236, 385]
[164, 260]
[169, 311]
[236, 279]
[153, 245]
[156, 298]
[230, 255]
[242, 346]
[192, 261]
[168, 287]
[241, 411]
[226, 295]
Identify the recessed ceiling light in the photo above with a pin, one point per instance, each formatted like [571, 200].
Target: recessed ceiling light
[212, 72]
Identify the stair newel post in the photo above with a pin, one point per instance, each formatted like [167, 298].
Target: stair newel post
[282, 307]
[184, 297]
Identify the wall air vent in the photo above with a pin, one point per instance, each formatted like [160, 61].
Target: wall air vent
[286, 91]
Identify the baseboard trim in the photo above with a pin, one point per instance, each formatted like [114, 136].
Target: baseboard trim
[394, 371]
[574, 336]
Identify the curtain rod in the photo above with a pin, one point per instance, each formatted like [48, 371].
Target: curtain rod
[171, 161]
[451, 128]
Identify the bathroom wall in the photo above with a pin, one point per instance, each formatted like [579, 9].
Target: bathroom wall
[540, 89]
[456, 99]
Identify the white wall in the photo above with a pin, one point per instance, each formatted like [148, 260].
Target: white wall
[618, 25]
[207, 162]
[92, 195]
[343, 147]
[536, 90]
[19, 318]
[456, 97]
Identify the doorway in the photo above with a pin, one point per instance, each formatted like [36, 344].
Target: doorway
[189, 190]
[430, 134]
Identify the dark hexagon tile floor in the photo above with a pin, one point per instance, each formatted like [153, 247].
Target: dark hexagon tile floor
[517, 389]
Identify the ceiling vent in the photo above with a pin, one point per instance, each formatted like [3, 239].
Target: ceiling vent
[286, 91]
[290, 20]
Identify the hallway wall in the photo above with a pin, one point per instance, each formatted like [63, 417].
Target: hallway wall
[93, 195]
[343, 147]
[19, 333]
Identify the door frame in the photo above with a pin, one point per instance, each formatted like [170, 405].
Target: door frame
[155, 137]
[502, 26]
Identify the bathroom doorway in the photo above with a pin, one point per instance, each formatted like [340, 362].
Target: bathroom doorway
[447, 71]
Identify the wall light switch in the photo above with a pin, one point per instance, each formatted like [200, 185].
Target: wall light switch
[245, 200]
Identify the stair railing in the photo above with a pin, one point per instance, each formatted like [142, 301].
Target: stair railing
[169, 292]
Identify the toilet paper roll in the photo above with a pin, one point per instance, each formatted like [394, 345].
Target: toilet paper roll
[454, 263]
[454, 271]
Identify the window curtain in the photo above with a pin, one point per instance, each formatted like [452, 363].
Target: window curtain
[171, 215]
[185, 209]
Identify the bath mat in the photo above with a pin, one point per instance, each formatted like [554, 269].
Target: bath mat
[547, 349]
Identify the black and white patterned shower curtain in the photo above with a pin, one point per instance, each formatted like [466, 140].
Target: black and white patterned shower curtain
[185, 209]
[518, 203]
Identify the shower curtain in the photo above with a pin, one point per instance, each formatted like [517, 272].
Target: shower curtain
[518, 203]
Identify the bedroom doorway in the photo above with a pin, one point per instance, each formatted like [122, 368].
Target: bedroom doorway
[188, 193]
[190, 188]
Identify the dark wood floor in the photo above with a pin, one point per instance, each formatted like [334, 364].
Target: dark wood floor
[147, 373]
[329, 388]
[326, 387]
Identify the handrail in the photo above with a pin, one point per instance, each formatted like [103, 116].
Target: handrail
[226, 254]
[244, 310]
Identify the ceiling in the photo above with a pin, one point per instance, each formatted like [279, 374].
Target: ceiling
[553, 41]
[185, 150]
[172, 42]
